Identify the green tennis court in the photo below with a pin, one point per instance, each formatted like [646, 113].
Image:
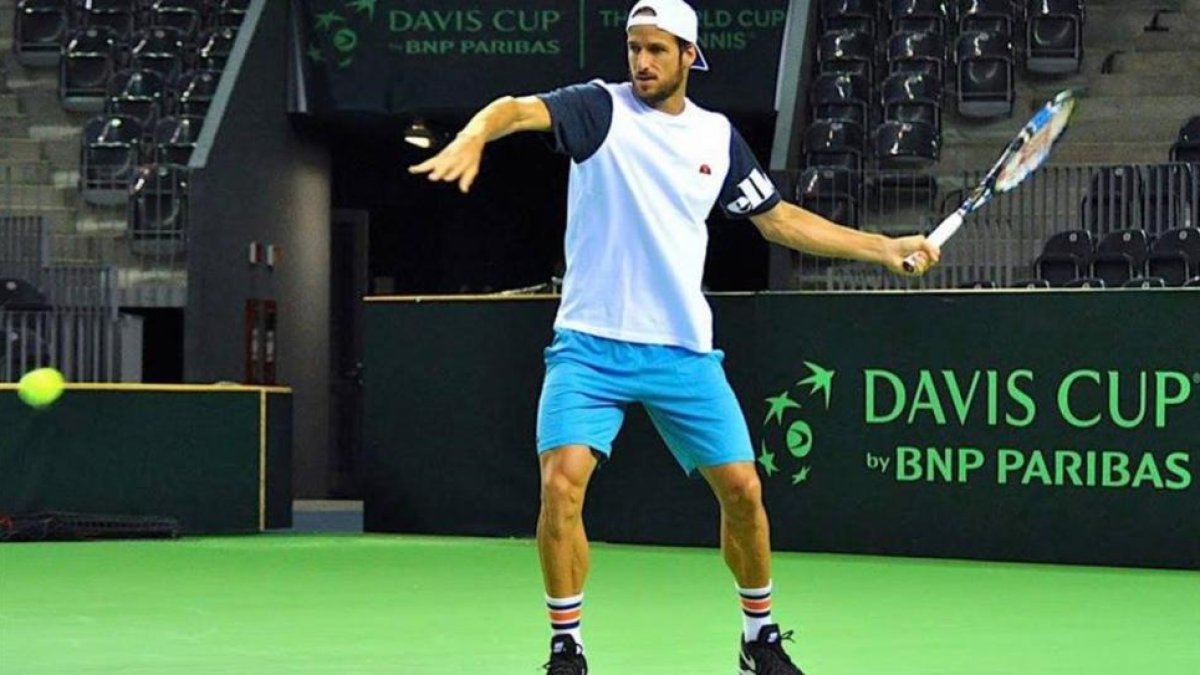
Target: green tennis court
[423, 605]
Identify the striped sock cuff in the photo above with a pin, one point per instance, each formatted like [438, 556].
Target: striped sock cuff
[565, 613]
[756, 602]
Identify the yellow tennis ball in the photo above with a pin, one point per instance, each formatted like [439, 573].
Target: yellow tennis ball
[40, 388]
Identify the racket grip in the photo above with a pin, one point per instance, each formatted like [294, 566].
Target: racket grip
[940, 234]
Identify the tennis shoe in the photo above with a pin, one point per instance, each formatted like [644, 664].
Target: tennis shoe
[566, 657]
[765, 655]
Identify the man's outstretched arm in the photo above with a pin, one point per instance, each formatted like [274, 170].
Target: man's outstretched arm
[791, 226]
[459, 161]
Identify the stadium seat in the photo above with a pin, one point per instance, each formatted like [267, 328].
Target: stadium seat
[831, 193]
[925, 16]
[1110, 200]
[1030, 283]
[1144, 282]
[846, 51]
[186, 16]
[110, 155]
[1120, 256]
[987, 16]
[985, 75]
[1175, 256]
[854, 15]
[158, 210]
[213, 48]
[912, 97]
[977, 285]
[840, 97]
[136, 93]
[89, 58]
[39, 28]
[1065, 256]
[194, 92]
[906, 144]
[1054, 36]
[20, 295]
[1085, 282]
[119, 15]
[175, 139]
[917, 52]
[159, 49]
[834, 144]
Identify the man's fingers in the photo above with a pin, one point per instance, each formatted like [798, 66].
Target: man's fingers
[423, 167]
[467, 179]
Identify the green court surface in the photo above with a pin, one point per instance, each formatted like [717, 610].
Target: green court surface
[418, 605]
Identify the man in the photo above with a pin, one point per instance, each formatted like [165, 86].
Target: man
[633, 326]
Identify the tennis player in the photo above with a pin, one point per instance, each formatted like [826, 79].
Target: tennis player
[633, 326]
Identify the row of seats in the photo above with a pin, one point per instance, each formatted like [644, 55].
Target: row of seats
[1154, 198]
[1159, 197]
[144, 95]
[1053, 28]
[1120, 257]
[843, 196]
[115, 147]
[92, 56]
[1082, 282]
[42, 27]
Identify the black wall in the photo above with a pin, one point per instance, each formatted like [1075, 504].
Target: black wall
[255, 180]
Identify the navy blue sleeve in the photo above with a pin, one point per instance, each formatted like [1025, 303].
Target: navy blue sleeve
[747, 190]
[581, 115]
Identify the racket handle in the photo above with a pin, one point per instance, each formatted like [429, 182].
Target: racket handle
[940, 234]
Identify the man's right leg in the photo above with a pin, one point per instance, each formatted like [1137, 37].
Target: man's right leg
[563, 549]
[562, 541]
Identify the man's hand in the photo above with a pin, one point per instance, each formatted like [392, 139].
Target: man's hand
[896, 250]
[459, 161]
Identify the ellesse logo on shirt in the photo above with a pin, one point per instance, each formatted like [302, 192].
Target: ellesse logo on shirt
[705, 169]
[755, 190]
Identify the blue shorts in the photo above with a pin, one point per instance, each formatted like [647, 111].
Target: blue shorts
[590, 381]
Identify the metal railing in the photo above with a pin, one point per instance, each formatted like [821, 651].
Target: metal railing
[45, 222]
[82, 342]
[999, 244]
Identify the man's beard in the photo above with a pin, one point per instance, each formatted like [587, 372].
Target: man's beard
[666, 92]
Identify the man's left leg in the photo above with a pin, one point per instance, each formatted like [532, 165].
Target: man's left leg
[746, 546]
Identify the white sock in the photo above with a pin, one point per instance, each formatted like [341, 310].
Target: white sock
[756, 610]
[566, 617]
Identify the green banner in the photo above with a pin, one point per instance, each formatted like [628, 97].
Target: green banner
[205, 455]
[1033, 426]
[406, 56]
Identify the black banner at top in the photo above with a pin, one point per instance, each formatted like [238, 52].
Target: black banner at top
[407, 56]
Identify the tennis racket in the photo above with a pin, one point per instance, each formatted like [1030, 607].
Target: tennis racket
[1024, 154]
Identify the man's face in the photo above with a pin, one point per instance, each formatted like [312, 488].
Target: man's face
[657, 67]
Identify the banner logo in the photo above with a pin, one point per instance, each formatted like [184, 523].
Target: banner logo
[787, 424]
[335, 32]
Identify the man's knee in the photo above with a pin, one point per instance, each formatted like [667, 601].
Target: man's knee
[565, 475]
[742, 496]
[562, 492]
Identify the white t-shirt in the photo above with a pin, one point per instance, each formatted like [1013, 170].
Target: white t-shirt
[642, 183]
